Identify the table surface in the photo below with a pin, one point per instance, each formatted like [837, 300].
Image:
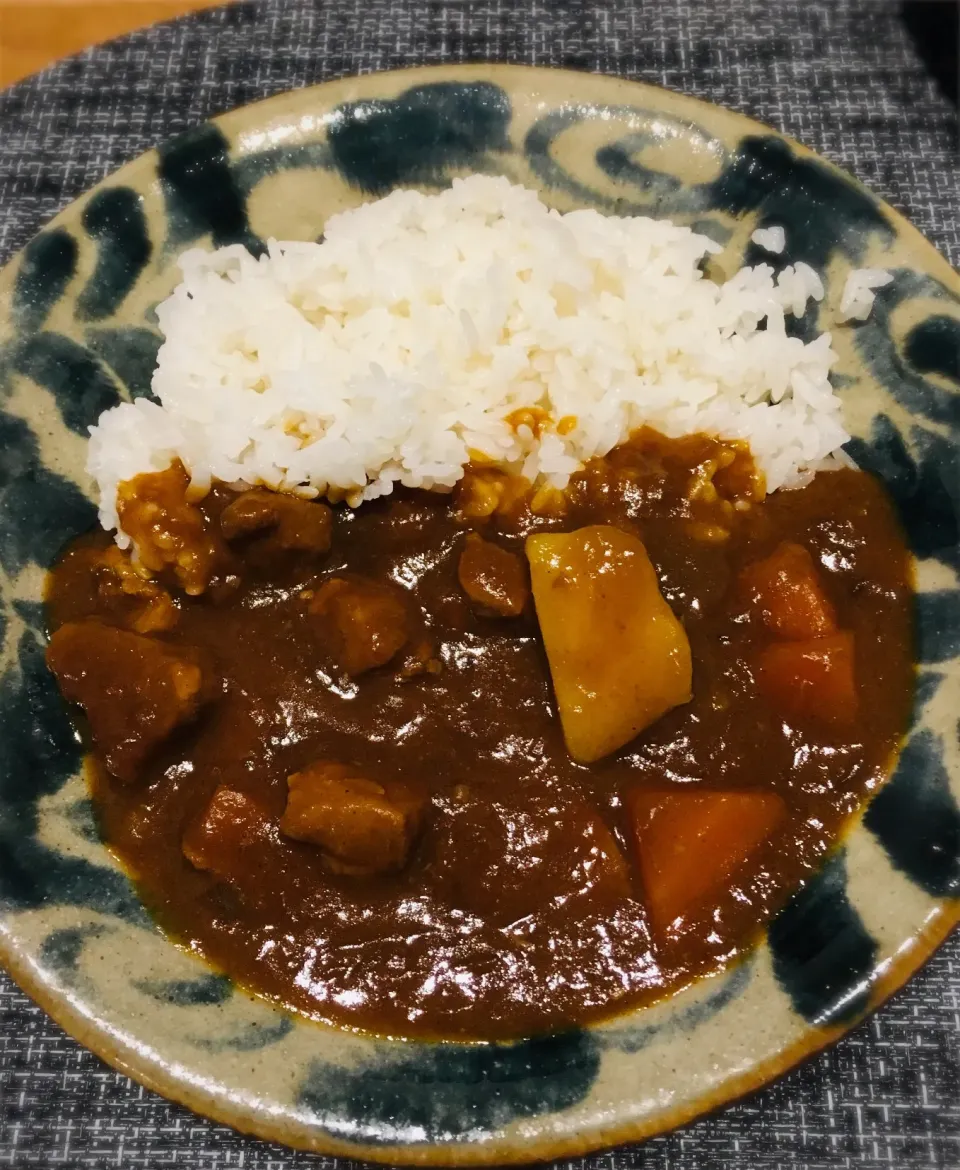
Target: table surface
[34, 33]
[841, 76]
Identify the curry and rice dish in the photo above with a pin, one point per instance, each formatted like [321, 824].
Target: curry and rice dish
[494, 750]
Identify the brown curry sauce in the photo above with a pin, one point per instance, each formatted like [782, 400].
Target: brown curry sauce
[522, 905]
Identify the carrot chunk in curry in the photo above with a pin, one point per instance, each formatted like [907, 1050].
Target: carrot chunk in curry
[420, 805]
[689, 843]
[619, 658]
[811, 680]
[784, 590]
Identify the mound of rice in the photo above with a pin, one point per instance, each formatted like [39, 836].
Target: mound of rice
[393, 352]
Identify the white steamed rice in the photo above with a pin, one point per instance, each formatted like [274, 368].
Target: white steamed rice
[858, 294]
[771, 239]
[394, 349]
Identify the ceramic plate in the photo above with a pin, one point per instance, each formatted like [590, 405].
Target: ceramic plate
[77, 333]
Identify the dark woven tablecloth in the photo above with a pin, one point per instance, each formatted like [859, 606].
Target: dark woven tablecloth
[842, 77]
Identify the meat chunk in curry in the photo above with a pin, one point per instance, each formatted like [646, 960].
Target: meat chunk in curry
[362, 825]
[363, 624]
[134, 690]
[280, 522]
[494, 578]
[130, 590]
[510, 858]
[221, 840]
[619, 658]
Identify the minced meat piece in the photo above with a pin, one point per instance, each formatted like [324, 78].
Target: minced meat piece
[134, 690]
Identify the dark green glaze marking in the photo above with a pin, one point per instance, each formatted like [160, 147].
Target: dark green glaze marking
[806, 327]
[39, 752]
[250, 1038]
[925, 487]
[32, 613]
[916, 819]
[81, 386]
[933, 347]
[819, 209]
[635, 1037]
[619, 161]
[201, 193]
[713, 229]
[115, 219]
[444, 1092]
[653, 193]
[130, 352]
[938, 625]
[199, 992]
[310, 156]
[61, 949]
[924, 689]
[420, 135]
[927, 349]
[823, 956]
[82, 818]
[39, 510]
[48, 265]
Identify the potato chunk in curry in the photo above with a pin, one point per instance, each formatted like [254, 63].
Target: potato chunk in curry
[619, 658]
[135, 690]
[361, 825]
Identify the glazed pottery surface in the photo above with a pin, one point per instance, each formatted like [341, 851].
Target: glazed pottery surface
[78, 334]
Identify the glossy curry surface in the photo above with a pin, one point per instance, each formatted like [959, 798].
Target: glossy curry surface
[515, 889]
